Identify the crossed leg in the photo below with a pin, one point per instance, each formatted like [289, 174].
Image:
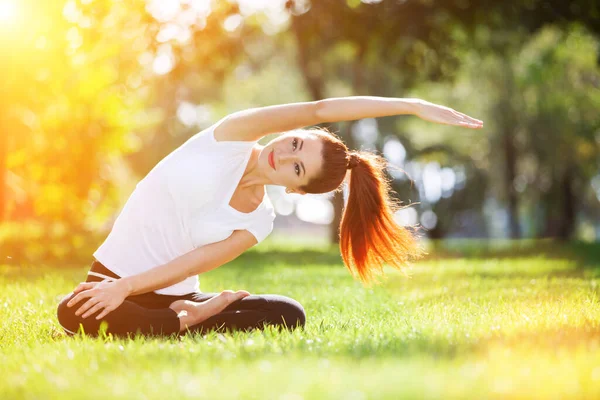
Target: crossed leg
[191, 313]
[159, 315]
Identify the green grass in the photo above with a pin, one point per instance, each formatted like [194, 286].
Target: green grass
[473, 321]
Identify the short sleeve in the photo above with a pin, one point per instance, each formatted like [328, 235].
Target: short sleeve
[211, 134]
[262, 226]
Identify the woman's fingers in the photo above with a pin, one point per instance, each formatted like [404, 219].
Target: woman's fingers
[93, 310]
[446, 115]
[89, 285]
[458, 118]
[467, 123]
[103, 313]
[84, 286]
[91, 302]
[466, 118]
[77, 298]
[453, 119]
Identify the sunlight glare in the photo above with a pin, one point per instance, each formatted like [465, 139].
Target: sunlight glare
[8, 10]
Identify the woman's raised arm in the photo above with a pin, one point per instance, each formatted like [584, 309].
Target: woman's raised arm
[358, 107]
[254, 123]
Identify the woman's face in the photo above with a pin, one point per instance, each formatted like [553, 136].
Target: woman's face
[292, 159]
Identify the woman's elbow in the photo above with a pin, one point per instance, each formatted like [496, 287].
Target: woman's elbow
[321, 111]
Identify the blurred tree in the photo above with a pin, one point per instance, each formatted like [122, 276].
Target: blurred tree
[94, 81]
[557, 72]
[553, 125]
[69, 104]
[453, 204]
[90, 82]
[364, 46]
[499, 29]
[419, 38]
[201, 47]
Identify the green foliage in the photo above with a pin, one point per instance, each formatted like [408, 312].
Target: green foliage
[523, 325]
[540, 94]
[84, 111]
[34, 243]
[559, 75]
[83, 94]
[69, 110]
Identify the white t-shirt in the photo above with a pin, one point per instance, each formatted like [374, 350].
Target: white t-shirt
[183, 203]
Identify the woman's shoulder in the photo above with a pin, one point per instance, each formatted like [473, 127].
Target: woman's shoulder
[206, 139]
[221, 135]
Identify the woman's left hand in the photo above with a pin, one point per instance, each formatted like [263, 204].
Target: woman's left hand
[106, 295]
[445, 115]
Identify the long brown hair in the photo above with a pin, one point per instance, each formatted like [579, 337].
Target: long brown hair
[369, 236]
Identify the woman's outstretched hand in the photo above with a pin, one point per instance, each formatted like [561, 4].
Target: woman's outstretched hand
[445, 115]
[106, 295]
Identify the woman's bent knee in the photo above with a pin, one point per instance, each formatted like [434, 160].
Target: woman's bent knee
[288, 312]
[66, 315]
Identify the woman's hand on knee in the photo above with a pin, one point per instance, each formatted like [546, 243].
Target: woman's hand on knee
[89, 285]
[85, 286]
[106, 296]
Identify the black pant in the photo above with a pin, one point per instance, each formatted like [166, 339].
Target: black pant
[149, 313]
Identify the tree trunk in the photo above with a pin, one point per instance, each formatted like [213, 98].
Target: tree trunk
[312, 77]
[510, 158]
[568, 205]
[509, 148]
[315, 85]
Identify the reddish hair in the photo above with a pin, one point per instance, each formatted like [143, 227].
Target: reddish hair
[369, 236]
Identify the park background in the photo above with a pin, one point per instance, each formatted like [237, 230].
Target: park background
[95, 92]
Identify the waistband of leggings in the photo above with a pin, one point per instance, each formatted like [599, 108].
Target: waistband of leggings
[99, 270]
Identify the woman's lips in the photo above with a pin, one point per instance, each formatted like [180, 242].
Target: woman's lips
[271, 160]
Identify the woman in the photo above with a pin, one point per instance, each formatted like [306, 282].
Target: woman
[205, 204]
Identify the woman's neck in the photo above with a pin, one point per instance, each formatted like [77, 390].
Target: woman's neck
[253, 175]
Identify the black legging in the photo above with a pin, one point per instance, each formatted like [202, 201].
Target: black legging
[149, 313]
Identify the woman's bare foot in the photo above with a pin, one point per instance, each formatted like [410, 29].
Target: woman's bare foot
[192, 313]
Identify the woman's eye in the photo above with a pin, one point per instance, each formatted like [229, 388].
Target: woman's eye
[295, 143]
[297, 169]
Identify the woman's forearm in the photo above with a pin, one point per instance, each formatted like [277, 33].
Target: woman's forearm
[156, 278]
[358, 107]
[175, 271]
[197, 261]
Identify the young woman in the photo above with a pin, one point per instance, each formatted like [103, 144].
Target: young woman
[204, 204]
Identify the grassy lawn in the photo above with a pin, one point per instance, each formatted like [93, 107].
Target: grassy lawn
[504, 322]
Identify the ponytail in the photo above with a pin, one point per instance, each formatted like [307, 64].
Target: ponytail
[369, 236]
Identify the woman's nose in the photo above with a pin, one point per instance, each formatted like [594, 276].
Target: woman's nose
[287, 158]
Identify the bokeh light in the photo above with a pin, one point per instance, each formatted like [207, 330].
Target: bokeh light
[8, 11]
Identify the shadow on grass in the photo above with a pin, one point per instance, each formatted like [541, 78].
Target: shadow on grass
[303, 258]
[587, 255]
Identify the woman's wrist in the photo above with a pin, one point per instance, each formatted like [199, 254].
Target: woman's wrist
[126, 285]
